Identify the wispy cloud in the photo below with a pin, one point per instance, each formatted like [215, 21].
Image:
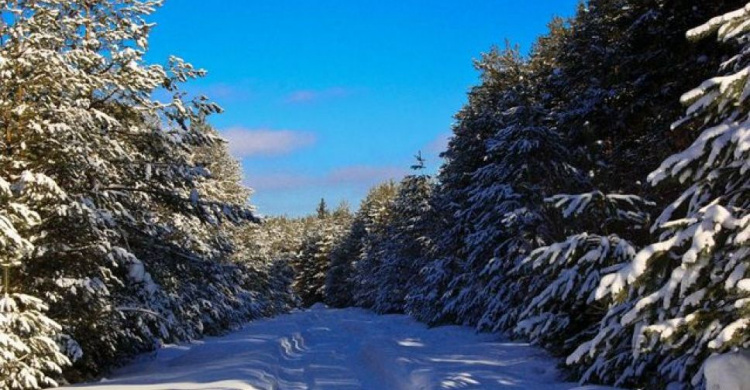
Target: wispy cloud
[439, 144]
[222, 92]
[356, 176]
[265, 142]
[311, 95]
[278, 181]
[364, 175]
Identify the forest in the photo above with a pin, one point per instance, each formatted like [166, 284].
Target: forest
[593, 200]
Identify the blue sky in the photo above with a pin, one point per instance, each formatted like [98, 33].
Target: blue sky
[325, 98]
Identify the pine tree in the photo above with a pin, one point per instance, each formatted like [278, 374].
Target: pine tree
[79, 114]
[527, 160]
[376, 214]
[685, 296]
[559, 280]
[29, 355]
[621, 68]
[465, 153]
[269, 250]
[403, 256]
[314, 259]
[341, 273]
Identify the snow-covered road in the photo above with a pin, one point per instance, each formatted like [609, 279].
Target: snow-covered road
[342, 349]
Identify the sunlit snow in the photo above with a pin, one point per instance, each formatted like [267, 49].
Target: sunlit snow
[343, 349]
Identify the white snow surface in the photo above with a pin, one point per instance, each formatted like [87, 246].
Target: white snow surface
[324, 348]
[730, 371]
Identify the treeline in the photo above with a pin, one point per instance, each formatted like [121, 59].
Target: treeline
[581, 205]
[300, 247]
[123, 221]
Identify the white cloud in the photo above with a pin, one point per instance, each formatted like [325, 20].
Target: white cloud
[278, 181]
[439, 144]
[309, 95]
[364, 174]
[222, 92]
[265, 142]
[357, 176]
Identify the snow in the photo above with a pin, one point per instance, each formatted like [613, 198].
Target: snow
[728, 332]
[730, 371]
[326, 348]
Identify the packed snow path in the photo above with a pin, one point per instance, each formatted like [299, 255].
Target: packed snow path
[342, 349]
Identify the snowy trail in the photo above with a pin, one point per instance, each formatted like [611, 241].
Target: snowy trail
[342, 349]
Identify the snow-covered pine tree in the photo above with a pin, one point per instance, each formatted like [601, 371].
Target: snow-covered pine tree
[312, 263]
[527, 160]
[558, 280]
[687, 296]
[620, 70]
[463, 301]
[29, 354]
[376, 214]
[404, 254]
[227, 242]
[314, 259]
[465, 153]
[274, 246]
[340, 276]
[78, 105]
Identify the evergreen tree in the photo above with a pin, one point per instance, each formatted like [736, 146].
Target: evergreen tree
[339, 278]
[685, 296]
[322, 210]
[527, 161]
[465, 153]
[314, 259]
[559, 280]
[29, 355]
[376, 214]
[404, 254]
[120, 255]
[621, 68]
[270, 249]
[341, 273]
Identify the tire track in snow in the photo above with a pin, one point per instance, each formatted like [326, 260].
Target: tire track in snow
[342, 349]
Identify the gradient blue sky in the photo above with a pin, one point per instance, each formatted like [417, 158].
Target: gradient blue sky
[326, 98]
